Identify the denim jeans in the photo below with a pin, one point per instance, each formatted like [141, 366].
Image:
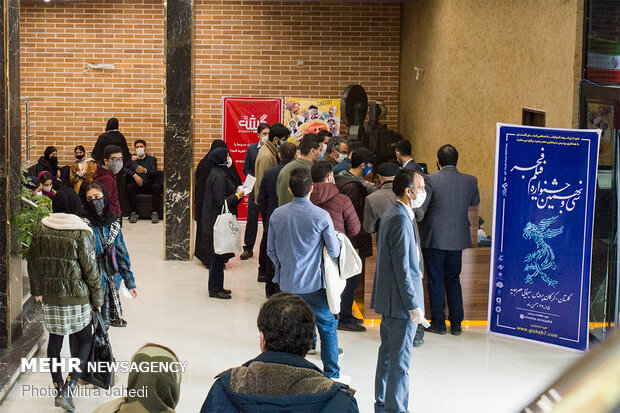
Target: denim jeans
[327, 325]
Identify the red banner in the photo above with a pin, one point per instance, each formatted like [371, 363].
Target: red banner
[241, 118]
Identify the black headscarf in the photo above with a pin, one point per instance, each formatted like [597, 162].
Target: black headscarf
[112, 124]
[47, 163]
[67, 201]
[48, 151]
[219, 156]
[202, 173]
[108, 217]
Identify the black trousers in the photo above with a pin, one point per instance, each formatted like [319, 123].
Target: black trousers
[265, 265]
[216, 273]
[348, 295]
[262, 253]
[105, 308]
[80, 347]
[251, 226]
[153, 188]
[443, 269]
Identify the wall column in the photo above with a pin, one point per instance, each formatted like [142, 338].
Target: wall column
[10, 180]
[178, 129]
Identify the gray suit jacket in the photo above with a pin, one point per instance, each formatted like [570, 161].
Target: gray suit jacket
[375, 206]
[446, 223]
[413, 166]
[397, 287]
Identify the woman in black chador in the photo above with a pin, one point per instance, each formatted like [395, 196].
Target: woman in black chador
[202, 173]
[221, 186]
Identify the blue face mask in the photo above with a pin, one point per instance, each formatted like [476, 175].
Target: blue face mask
[367, 170]
[323, 152]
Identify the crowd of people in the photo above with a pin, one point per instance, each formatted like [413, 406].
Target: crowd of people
[309, 193]
[111, 164]
[309, 196]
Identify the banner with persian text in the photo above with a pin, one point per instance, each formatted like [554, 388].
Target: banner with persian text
[545, 185]
[241, 117]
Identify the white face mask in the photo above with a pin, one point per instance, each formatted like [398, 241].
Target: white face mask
[263, 139]
[419, 200]
[229, 162]
[140, 151]
[46, 188]
[341, 157]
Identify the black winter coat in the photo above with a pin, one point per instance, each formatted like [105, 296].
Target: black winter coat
[220, 186]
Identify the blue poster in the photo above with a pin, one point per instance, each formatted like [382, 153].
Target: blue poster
[543, 214]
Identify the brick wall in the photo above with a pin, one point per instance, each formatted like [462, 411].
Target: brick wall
[70, 105]
[243, 48]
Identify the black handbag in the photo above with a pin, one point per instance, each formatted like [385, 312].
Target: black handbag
[101, 351]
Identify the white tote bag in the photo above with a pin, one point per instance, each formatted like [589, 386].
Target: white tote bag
[226, 233]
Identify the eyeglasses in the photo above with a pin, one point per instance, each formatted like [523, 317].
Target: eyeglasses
[116, 159]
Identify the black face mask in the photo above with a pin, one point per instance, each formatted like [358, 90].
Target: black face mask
[79, 157]
[97, 205]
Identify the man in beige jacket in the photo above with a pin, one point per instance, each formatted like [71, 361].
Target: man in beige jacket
[268, 153]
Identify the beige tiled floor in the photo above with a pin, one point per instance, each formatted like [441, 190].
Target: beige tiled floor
[471, 373]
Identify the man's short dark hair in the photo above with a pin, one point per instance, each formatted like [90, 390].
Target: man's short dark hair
[334, 144]
[300, 182]
[404, 147]
[447, 155]
[288, 150]
[405, 179]
[110, 149]
[278, 130]
[262, 127]
[360, 156]
[308, 142]
[355, 145]
[324, 133]
[142, 141]
[287, 324]
[320, 170]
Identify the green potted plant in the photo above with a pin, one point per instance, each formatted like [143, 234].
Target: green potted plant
[33, 209]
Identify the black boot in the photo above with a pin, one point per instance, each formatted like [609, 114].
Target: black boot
[58, 389]
[65, 400]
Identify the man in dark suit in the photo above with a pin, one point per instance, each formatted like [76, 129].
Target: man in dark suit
[251, 225]
[267, 203]
[402, 151]
[445, 234]
[397, 294]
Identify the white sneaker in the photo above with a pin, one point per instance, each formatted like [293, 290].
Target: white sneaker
[344, 379]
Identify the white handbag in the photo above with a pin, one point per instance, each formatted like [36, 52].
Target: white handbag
[226, 233]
